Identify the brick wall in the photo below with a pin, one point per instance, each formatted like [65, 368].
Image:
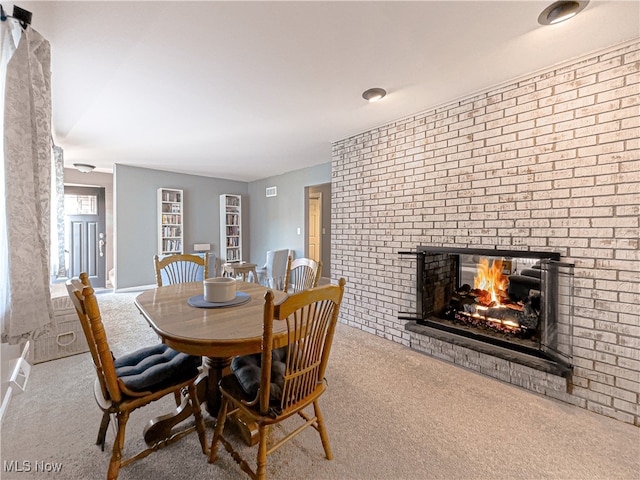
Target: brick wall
[550, 162]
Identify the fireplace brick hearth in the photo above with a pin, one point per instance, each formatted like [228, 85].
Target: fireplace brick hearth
[548, 162]
[507, 366]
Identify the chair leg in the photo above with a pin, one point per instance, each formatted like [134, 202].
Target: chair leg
[217, 433]
[178, 397]
[102, 432]
[261, 470]
[118, 446]
[322, 430]
[197, 413]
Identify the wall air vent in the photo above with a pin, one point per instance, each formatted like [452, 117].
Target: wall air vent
[272, 191]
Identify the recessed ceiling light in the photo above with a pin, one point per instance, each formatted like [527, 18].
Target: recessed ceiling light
[560, 11]
[84, 167]
[374, 94]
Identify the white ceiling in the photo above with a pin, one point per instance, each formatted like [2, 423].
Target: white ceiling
[248, 90]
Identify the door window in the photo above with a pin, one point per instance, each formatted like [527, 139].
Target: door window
[75, 204]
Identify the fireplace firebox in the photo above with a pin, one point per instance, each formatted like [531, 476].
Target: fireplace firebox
[514, 301]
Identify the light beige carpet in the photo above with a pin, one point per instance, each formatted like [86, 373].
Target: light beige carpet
[391, 413]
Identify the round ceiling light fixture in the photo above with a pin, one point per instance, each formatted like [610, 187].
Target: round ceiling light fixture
[84, 167]
[374, 94]
[560, 11]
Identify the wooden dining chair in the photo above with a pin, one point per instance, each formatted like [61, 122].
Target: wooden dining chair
[278, 383]
[181, 268]
[127, 383]
[302, 274]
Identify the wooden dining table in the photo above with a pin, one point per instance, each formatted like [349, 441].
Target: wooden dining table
[216, 334]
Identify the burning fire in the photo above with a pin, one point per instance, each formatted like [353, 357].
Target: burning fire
[491, 281]
[488, 304]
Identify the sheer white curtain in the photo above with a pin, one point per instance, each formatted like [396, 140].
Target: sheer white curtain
[25, 299]
[58, 266]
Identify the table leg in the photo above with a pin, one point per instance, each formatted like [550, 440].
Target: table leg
[214, 369]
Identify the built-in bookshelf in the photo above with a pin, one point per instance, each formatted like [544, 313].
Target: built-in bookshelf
[170, 227]
[230, 228]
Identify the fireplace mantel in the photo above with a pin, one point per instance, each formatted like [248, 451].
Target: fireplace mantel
[493, 252]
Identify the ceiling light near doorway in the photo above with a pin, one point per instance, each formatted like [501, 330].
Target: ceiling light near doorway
[560, 11]
[374, 94]
[84, 167]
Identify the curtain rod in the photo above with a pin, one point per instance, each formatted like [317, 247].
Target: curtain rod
[20, 14]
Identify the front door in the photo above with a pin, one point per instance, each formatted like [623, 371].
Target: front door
[85, 237]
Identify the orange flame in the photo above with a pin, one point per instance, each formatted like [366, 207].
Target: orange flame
[491, 280]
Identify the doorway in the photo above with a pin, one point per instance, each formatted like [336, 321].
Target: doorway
[318, 225]
[85, 235]
[315, 225]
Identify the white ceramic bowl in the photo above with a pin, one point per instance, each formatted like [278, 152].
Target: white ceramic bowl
[219, 289]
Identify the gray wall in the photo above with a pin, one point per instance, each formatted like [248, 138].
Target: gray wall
[136, 217]
[275, 220]
[271, 222]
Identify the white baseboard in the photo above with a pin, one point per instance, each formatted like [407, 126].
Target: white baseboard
[134, 289]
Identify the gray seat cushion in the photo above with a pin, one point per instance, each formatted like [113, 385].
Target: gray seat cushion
[247, 370]
[156, 367]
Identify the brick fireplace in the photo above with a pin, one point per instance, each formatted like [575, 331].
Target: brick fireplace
[519, 301]
[549, 163]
